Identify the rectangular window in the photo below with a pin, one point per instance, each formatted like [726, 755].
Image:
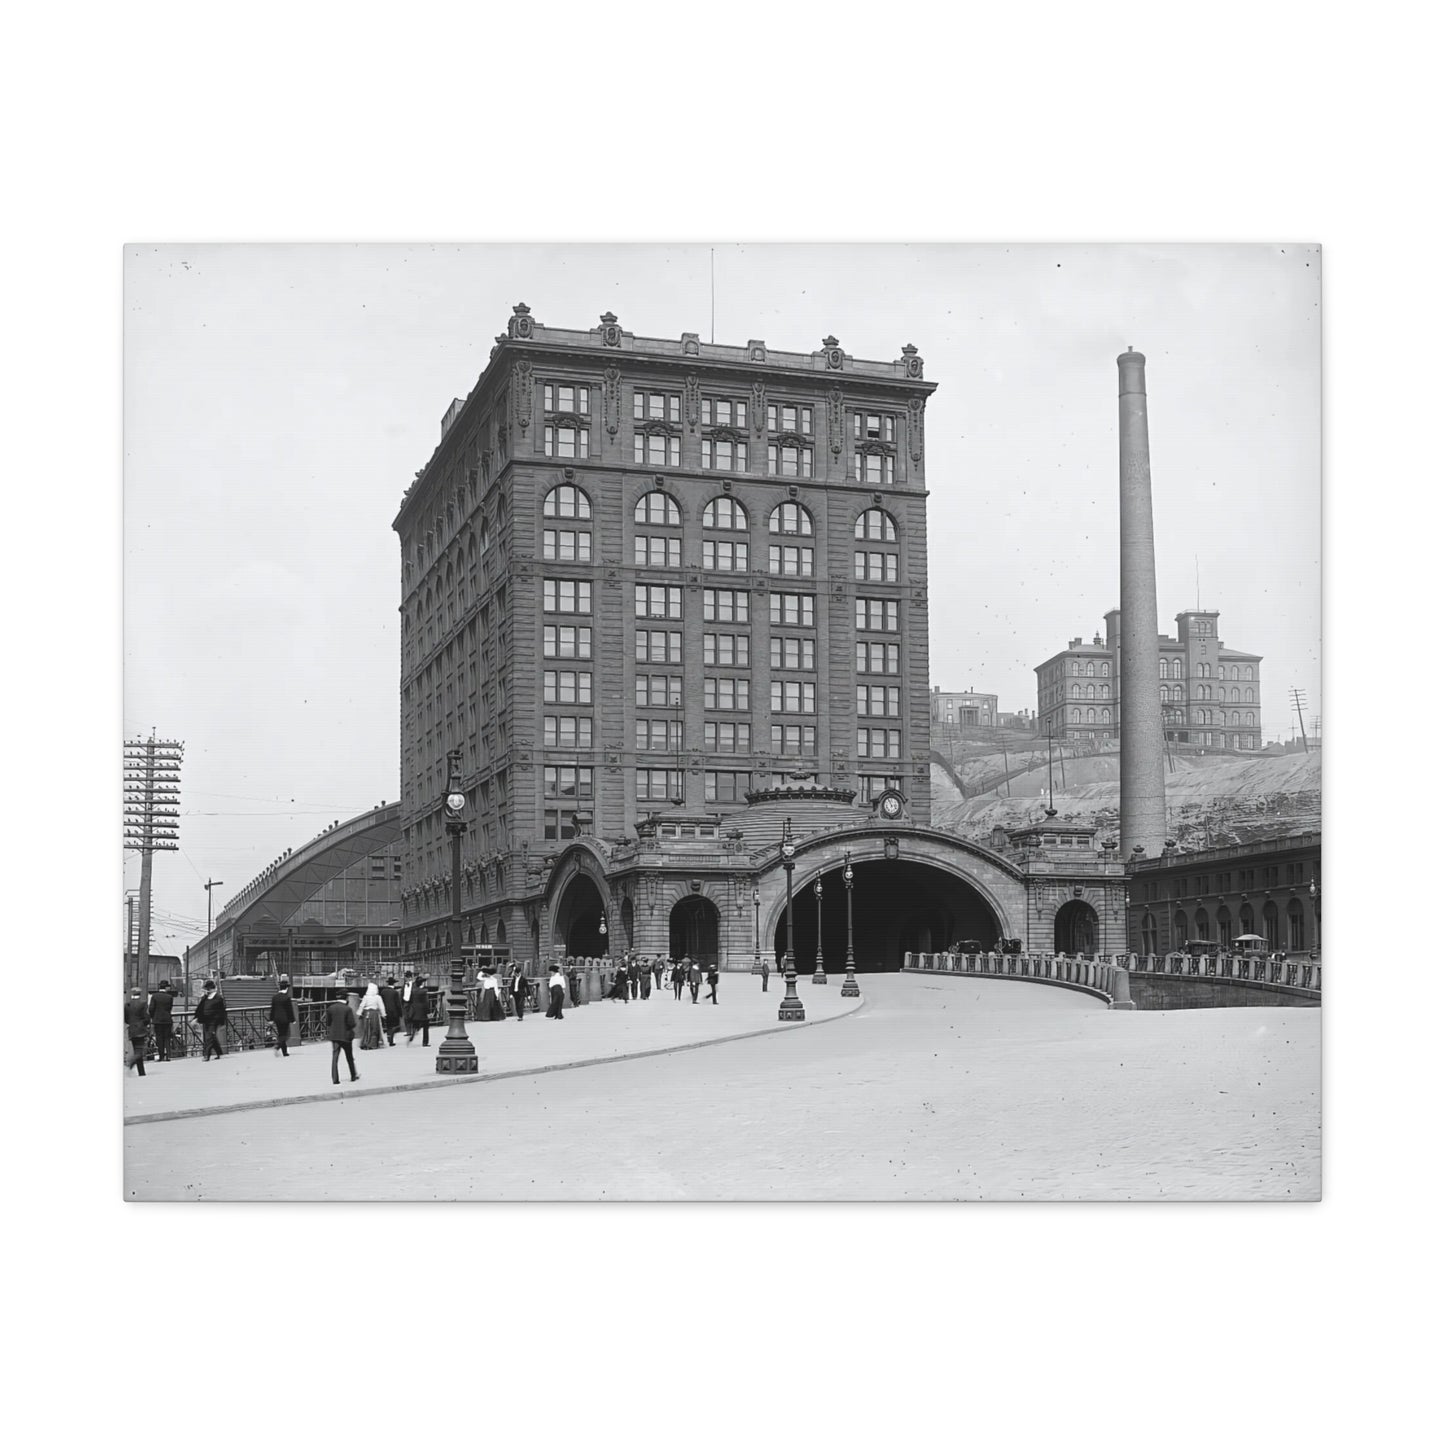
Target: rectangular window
[565, 441]
[725, 694]
[656, 449]
[877, 701]
[658, 690]
[872, 786]
[724, 556]
[725, 649]
[788, 416]
[566, 546]
[657, 785]
[651, 601]
[787, 459]
[658, 735]
[566, 732]
[567, 687]
[564, 396]
[875, 614]
[560, 641]
[656, 406]
[874, 469]
[721, 454]
[875, 566]
[726, 737]
[794, 738]
[872, 426]
[793, 696]
[567, 783]
[877, 657]
[880, 743]
[791, 609]
[719, 787]
[720, 606]
[665, 647]
[787, 561]
[793, 653]
[657, 551]
[716, 411]
[559, 823]
[566, 595]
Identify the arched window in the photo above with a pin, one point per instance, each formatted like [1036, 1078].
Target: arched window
[1203, 669]
[1091, 717]
[1249, 719]
[1249, 694]
[1178, 668]
[1246, 918]
[874, 525]
[1179, 692]
[1181, 929]
[1074, 691]
[723, 514]
[567, 501]
[1103, 669]
[1271, 925]
[1163, 694]
[1221, 672]
[1248, 671]
[1149, 928]
[657, 509]
[790, 519]
[1074, 672]
[1234, 694]
[1088, 669]
[1163, 667]
[1297, 938]
[1234, 673]
[1201, 924]
[1089, 691]
[1226, 926]
[1076, 717]
[1104, 714]
[1103, 689]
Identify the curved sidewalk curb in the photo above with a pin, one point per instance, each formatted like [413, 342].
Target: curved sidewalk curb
[442, 1082]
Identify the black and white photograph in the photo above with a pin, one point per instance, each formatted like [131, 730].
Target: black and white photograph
[888, 674]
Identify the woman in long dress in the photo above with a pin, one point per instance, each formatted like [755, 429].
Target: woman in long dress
[491, 997]
[372, 1010]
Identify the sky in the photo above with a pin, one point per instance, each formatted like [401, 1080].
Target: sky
[279, 398]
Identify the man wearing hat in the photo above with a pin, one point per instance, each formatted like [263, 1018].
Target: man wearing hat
[283, 1014]
[416, 1009]
[341, 1029]
[160, 1016]
[211, 1015]
[136, 1024]
[391, 1004]
[557, 989]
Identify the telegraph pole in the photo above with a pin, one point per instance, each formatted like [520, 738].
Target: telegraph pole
[209, 884]
[1297, 697]
[152, 820]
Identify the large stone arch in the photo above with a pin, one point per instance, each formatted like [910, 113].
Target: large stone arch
[577, 898]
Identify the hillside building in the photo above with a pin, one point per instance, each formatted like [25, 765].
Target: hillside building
[1209, 694]
[952, 710]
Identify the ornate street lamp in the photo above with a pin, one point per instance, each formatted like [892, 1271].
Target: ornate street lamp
[850, 984]
[457, 1054]
[819, 976]
[757, 938]
[791, 1008]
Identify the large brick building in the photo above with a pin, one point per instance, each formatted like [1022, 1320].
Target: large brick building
[1209, 694]
[641, 579]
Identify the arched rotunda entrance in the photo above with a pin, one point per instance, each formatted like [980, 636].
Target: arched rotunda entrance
[577, 921]
[899, 906]
[693, 930]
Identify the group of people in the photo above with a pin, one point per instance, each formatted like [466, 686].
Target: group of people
[384, 1009]
[143, 1017]
[635, 977]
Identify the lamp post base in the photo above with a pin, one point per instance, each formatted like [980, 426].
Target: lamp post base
[850, 984]
[790, 1011]
[460, 1060]
[818, 975]
[456, 1054]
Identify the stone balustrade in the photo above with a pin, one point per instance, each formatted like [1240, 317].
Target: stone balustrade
[1298, 973]
[1097, 976]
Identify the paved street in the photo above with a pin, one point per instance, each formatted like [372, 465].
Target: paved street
[934, 1089]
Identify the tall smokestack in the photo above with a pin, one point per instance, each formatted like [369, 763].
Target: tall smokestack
[1141, 746]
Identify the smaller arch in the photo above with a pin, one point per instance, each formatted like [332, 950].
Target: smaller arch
[725, 514]
[875, 525]
[790, 519]
[657, 509]
[569, 501]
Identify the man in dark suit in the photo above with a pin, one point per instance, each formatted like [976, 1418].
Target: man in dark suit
[137, 1023]
[211, 1015]
[416, 1009]
[160, 1016]
[341, 1029]
[391, 1004]
[283, 1015]
[521, 993]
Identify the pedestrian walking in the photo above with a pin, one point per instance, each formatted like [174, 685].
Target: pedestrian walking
[341, 1029]
[765, 975]
[416, 1008]
[557, 988]
[619, 985]
[679, 977]
[644, 974]
[694, 976]
[283, 1015]
[712, 982]
[632, 979]
[521, 993]
[492, 1009]
[657, 970]
[137, 1023]
[211, 1015]
[373, 1011]
[160, 1017]
[391, 1005]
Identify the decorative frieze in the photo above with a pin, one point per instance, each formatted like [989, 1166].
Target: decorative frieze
[692, 400]
[759, 406]
[835, 420]
[611, 399]
[522, 394]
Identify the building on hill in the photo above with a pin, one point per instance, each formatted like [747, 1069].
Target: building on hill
[1024, 720]
[1270, 888]
[1209, 694]
[665, 603]
[953, 710]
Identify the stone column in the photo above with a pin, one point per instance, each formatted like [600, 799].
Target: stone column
[1141, 746]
